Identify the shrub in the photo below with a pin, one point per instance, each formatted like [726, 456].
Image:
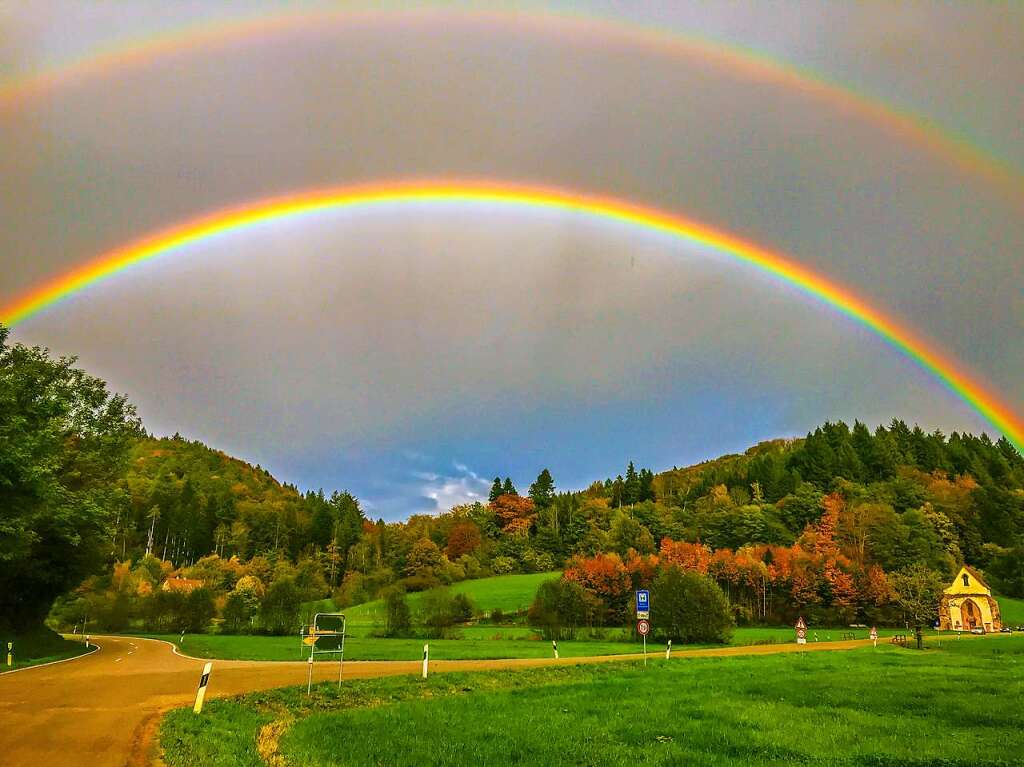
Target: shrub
[559, 608]
[237, 614]
[199, 610]
[440, 611]
[503, 565]
[497, 615]
[280, 610]
[462, 608]
[688, 607]
[397, 617]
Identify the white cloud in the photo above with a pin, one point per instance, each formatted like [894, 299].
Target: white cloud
[449, 491]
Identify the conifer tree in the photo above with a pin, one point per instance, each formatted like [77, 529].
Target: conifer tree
[542, 492]
[496, 490]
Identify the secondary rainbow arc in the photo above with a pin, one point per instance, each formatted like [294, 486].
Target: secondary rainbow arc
[944, 369]
[917, 130]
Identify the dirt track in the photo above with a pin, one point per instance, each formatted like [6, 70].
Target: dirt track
[102, 709]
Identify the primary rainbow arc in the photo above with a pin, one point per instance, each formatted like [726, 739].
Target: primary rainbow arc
[532, 197]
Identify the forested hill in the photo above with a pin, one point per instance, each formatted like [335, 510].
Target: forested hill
[186, 500]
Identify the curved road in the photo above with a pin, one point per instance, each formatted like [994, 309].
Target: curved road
[102, 709]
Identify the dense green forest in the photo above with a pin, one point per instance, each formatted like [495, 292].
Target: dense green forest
[131, 529]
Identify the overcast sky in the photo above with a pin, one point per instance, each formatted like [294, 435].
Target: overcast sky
[408, 353]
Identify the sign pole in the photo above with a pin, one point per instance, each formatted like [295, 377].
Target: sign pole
[645, 650]
[309, 678]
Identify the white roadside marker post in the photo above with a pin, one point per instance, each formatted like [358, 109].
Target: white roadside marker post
[204, 680]
[668, 650]
[10, 654]
[86, 641]
[426, 658]
[309, 679]
[554, 646]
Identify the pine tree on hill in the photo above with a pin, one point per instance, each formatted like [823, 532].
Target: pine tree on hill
[496, 490]
[508, 488]
[542, 492]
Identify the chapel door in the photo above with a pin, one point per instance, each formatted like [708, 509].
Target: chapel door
[970, 614]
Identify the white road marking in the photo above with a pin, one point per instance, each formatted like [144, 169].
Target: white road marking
[118, 660]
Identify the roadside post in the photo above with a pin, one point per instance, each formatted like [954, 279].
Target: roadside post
[181, 639]
[86, 641]
[204, 680]
[801, 631]
[874, 637]
[554, 646]
[426, 659]
[668, 650]
[325, 637]
[10, 654]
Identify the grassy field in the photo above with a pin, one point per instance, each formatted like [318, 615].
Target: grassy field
[954, 705]
[505, 592]
[477, 642]
[43, 646]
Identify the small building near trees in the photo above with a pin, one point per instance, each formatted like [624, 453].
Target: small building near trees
[181, 585]
[968, 604]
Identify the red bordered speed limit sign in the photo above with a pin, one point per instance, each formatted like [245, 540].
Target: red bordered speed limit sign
[643, 628]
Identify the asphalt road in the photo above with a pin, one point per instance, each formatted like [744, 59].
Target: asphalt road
[102, 709]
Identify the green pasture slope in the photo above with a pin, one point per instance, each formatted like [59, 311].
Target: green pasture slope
[956, 705]
[508, 593]
[1011, 611]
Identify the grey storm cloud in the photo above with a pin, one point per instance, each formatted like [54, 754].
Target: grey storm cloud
[308, 343]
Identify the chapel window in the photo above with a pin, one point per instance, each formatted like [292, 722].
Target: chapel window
[967, 581]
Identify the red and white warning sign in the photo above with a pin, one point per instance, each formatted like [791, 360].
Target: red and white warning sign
[643, 627]
[801, 631]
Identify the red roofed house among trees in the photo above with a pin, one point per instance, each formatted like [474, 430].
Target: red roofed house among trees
[182, 585]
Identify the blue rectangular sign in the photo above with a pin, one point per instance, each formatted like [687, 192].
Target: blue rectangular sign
[643, 601]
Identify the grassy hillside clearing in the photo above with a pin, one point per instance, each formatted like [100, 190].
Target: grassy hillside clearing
[888, 706]
[508, 593]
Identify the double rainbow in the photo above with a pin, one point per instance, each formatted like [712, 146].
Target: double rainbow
[824, 290]
[572, 26]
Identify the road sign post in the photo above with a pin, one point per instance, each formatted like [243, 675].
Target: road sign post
[643, 628]
[325, 636]
[801, 631]
[643, 604]
[204, 680]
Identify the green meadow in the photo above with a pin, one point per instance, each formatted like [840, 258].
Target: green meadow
[508, 593]
[957, 704]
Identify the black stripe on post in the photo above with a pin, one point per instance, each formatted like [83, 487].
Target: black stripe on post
[204, 680]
